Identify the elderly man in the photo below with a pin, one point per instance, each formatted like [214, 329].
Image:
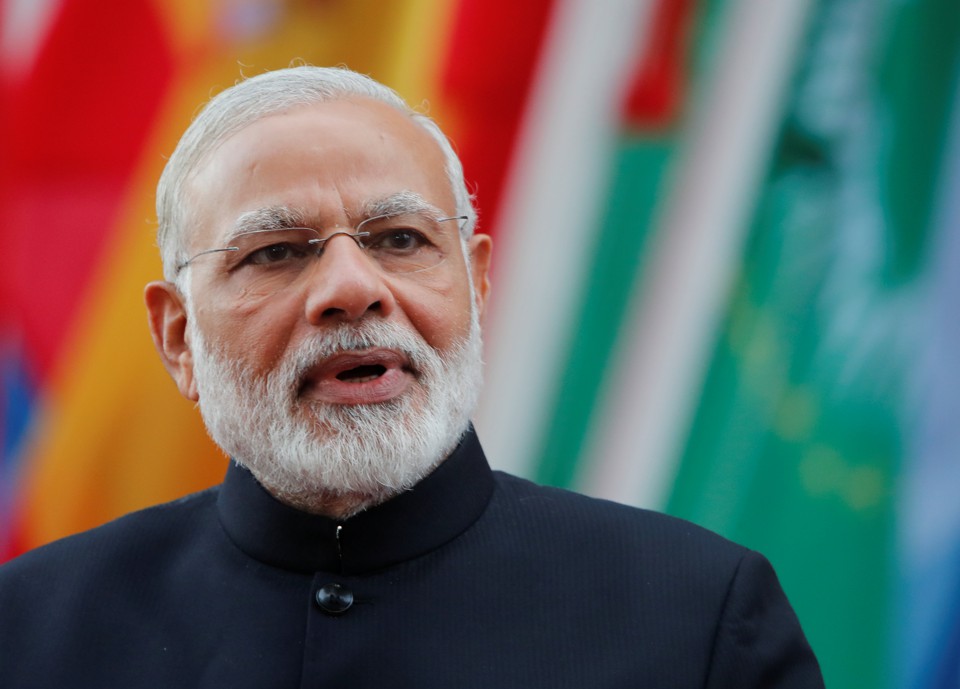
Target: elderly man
[321, 304]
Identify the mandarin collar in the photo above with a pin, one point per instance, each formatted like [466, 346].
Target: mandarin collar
[433, 512]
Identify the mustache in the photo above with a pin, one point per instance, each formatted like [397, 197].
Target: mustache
[350, 337]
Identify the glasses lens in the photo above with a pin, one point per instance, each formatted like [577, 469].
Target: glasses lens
[268, 260]
[272, 249]
[405, 243]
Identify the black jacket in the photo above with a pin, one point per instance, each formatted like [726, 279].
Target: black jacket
[472, 579]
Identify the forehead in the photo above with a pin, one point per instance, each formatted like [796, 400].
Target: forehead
[329, 159]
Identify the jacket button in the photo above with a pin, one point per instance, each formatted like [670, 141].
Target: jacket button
[334, 599]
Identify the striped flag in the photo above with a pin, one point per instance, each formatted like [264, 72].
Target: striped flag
[737, 339]
[806, 417]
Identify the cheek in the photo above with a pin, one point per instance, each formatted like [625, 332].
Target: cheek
[249, 332]
[439, 311]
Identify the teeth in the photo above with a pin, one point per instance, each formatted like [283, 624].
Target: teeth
[364, 379]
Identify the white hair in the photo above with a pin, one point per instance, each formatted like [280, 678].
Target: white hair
[260, 96]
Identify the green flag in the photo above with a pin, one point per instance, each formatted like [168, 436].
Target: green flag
[800, 430]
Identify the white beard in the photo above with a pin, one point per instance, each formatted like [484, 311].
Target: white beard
[314, 455]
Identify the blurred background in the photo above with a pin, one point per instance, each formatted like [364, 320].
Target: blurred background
[728, 240]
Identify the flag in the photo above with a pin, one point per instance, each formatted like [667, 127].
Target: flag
[807, 414]
[752, 334]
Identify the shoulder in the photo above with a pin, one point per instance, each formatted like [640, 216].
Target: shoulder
[694, 595]
[125, 545]
[664, 562]
[612, 525]
[87, 599]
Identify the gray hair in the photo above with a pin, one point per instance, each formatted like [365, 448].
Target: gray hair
[260, 96]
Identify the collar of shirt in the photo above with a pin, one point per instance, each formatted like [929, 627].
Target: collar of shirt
[433, 512]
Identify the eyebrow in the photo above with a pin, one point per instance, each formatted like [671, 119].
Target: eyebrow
[286, 217]
[270, 218]
[398, 204]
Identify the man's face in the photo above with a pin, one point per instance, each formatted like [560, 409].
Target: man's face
[328, 165]
[327, 161]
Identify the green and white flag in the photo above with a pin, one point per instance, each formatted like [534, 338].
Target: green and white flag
[733, 324]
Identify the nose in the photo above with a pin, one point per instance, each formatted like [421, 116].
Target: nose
[346, 285]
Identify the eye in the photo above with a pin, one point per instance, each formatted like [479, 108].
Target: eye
[280, 252]
[397, 240]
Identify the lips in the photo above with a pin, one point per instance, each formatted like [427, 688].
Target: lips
[358, 377]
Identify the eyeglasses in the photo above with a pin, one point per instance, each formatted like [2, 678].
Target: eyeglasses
[271, 259]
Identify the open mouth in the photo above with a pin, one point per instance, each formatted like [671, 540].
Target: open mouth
[358, 377]
[362, 374]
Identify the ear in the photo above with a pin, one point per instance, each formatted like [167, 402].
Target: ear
[480, 247]
[167, 315]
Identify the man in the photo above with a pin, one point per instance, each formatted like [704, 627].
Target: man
[321, 304]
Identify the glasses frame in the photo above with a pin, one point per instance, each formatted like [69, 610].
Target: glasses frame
[319, 241]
